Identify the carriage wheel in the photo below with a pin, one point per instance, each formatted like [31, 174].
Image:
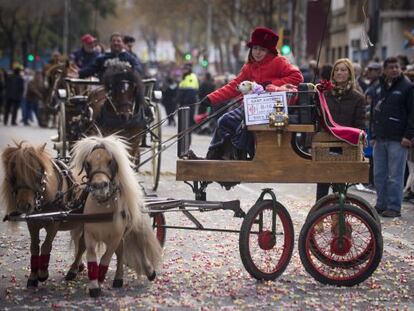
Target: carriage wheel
[158, 220]
[156, 147]
[352, 199]
[266, 253]
[352, 257]
[62, 130]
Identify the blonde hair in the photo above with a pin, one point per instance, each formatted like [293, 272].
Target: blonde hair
[347, 62]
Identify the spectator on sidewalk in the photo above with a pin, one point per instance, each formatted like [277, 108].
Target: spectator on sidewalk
[187, 94]
[3, 74]
[35, 93]
[373, 75]
[392, 128]
[169, 95]
[409, 187]
[14, 94]
[346, 104]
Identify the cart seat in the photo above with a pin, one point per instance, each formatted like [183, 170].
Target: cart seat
[78, 100]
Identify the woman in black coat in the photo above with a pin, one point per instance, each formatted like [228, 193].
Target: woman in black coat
[346, 104]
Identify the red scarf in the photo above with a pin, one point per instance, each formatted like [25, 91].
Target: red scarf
[347, 134]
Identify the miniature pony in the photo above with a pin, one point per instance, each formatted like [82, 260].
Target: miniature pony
[35, 183]
[113, 188]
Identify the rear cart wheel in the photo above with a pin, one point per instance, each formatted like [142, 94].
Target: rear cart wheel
[336, 258]
[156, 146]
[266, 246]
[333, 199]
[158, 221]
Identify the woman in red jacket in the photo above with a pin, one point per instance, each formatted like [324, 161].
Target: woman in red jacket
[264, 67]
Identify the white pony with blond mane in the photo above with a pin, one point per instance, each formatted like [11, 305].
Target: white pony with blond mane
[113, 188]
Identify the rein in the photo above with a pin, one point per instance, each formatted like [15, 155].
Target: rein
[173, 139]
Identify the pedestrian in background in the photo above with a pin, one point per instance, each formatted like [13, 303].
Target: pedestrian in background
[3, 74]
[14, 94]
[392, 128]
[346, 104]
[169, 95]
[326, 72]
[35, 94]
[27, 113]
[373, 75]
[409, 187]
[207, 86]
[361, 83]
[187, 94]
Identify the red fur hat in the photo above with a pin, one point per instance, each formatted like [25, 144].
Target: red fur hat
[265, 38]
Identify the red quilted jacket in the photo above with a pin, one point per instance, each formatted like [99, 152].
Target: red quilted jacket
[272, 69]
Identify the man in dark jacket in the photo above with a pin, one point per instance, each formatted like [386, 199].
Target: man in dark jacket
[86, 55]
[14, 94]
[392, 128]
[117, 51]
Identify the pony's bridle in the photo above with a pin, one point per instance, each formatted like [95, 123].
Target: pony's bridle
[40, 190]
[126, 84]
[113, 187]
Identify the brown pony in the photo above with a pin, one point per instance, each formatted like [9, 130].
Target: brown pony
[34, 183]
[120, 106]
[113, 188]
[55, 77]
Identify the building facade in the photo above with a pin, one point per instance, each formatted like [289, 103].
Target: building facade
[377, 30]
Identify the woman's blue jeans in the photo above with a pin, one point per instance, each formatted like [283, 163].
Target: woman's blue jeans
[389, 167]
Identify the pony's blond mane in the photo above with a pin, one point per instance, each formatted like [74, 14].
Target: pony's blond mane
[119, 148]
[22, 163]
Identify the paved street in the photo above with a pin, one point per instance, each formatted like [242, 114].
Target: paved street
[203, 270]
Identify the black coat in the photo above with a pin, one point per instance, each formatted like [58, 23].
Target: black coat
[14, 87]
[393, 111]
[347, 110]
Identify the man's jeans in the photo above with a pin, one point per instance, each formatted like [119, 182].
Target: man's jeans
[389, 168]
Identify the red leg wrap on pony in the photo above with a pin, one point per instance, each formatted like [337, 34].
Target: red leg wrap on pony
[93, 270]
[34, 263]
[44, 261]
[102, 273]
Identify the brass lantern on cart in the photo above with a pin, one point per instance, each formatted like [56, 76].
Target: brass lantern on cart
[279, 119]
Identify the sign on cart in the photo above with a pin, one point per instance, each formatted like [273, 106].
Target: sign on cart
[257, 107]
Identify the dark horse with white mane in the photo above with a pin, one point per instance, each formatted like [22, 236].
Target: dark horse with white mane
[122, 108]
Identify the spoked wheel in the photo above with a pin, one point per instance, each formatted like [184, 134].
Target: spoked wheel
[340, 256]
[156, 146]
[158, 221]
[62, 130]
[266, 246]
[333, 199]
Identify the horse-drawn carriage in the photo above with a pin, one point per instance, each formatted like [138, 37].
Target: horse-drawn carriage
[340, 242]
[121, 103]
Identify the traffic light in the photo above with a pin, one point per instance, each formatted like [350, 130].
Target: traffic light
[187, 56]
[30, 57]
[37, 58]
[286, 49]
[204, 63]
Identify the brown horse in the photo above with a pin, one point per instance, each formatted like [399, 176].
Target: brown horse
[113, 188]
[120, 106]
[55, 76]
[33, 184]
